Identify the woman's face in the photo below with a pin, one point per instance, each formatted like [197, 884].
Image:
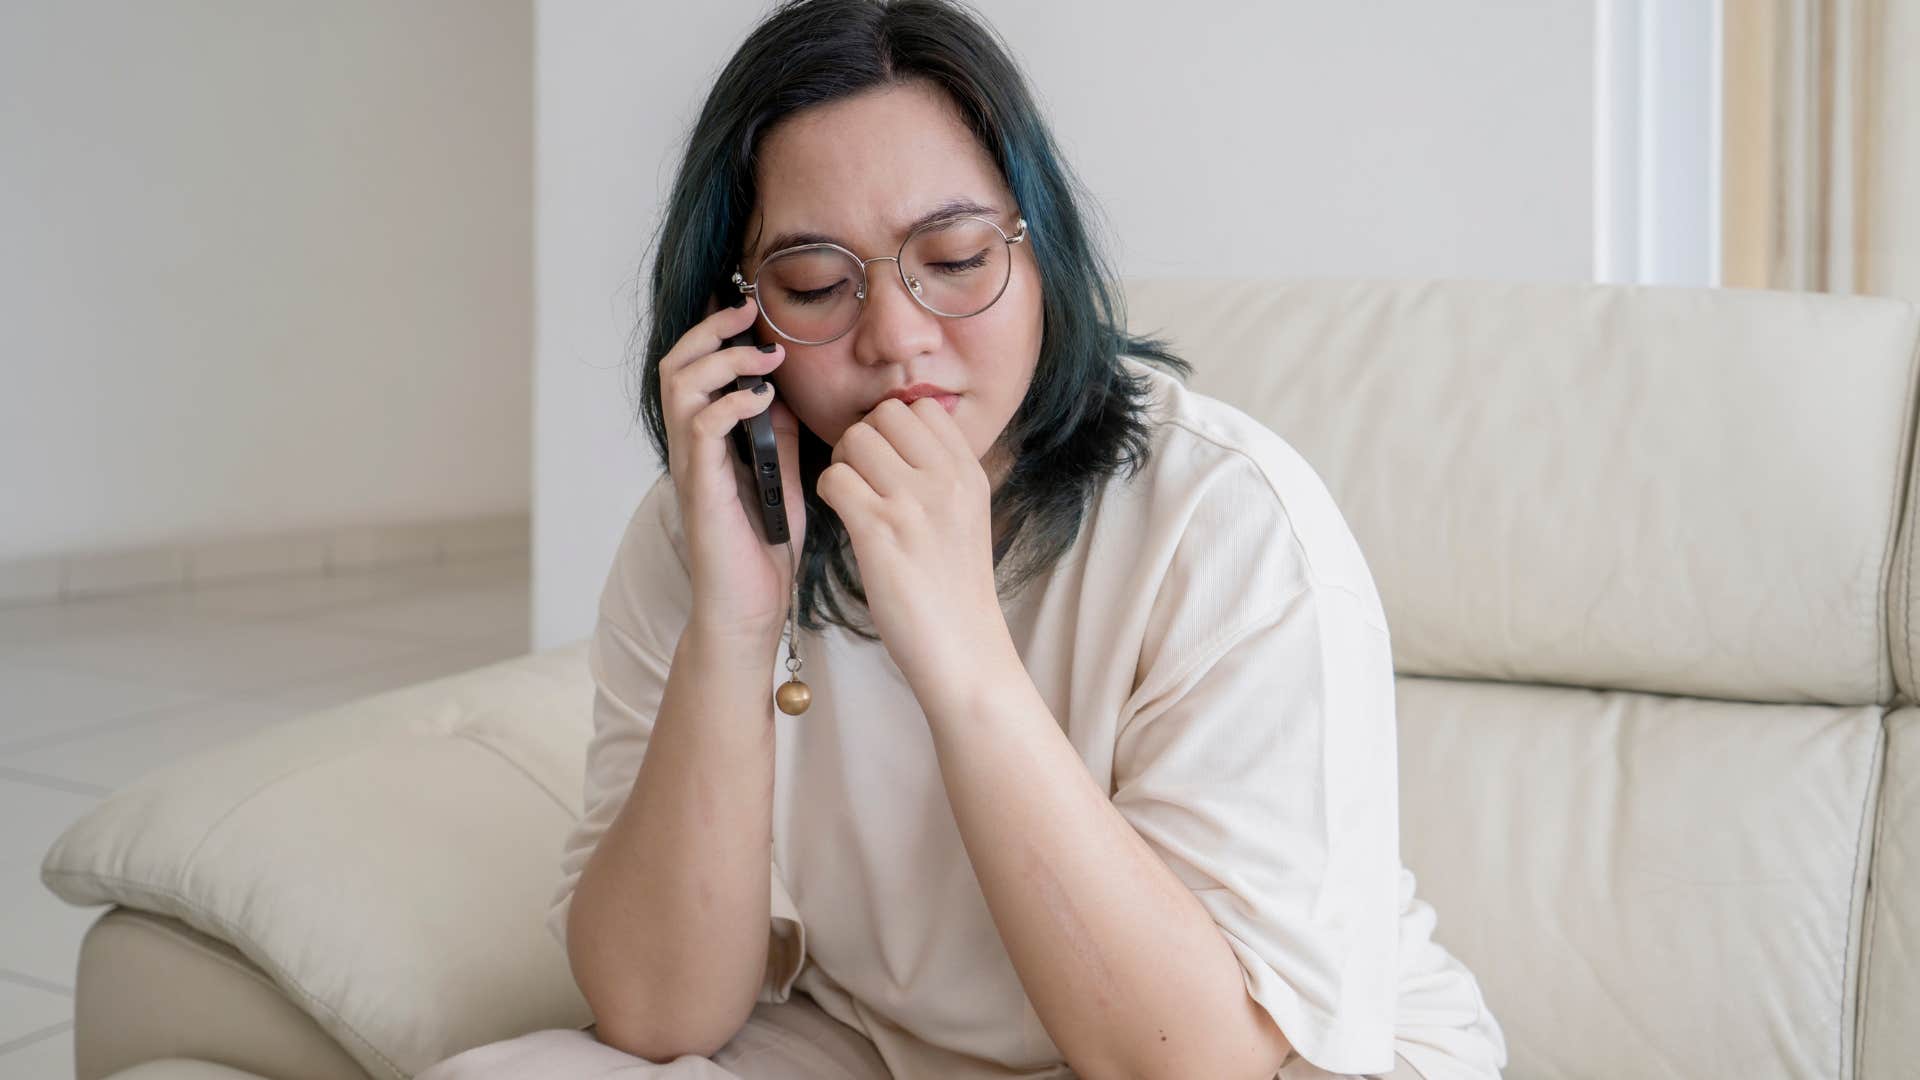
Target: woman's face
[859, 171]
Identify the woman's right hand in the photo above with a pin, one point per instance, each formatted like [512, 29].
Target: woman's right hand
[741, 583]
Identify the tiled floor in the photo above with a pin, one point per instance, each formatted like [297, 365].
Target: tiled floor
[93, 693]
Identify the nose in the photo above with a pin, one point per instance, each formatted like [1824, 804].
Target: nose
[894, 327]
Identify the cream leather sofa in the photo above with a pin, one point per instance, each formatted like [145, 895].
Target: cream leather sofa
[1648, 555]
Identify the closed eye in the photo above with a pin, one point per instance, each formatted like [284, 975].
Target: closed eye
[974, 263]
[815, 296]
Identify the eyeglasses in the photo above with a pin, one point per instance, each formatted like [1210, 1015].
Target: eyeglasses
[954, 267]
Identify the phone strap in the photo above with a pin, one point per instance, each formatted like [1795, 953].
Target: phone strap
[793, 697]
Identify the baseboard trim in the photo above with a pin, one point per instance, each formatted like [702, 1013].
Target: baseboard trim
[51, 579]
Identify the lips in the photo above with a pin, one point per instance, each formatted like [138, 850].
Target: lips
[909, 394]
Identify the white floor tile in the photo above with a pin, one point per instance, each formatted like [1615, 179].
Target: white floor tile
[30, 581]
[117, 571]
[431, 663]
[231, 660]
[42, 703]
[279, 598]
[24, 1009]
[306, 594]
[440, 615]
[514, 568]
[39, 625]
[39, 932]
[116, 757]
[47, 1058]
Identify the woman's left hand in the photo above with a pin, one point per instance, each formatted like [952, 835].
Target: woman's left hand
[918, 507]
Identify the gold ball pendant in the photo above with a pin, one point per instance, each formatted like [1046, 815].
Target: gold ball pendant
[793, 697]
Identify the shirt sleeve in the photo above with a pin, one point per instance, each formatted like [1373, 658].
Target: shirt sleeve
[1443, 1018]
[1257, 759]
[643, 608]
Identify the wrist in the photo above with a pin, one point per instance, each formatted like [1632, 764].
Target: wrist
[751, 644]
[968, 678]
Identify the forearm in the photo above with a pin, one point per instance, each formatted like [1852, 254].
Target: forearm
[1126, 969]
[667, 935]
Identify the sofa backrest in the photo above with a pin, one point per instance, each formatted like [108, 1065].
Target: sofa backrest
[1645, 555]
[1647, 558]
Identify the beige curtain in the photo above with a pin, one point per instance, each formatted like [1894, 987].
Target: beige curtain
[1822, 139]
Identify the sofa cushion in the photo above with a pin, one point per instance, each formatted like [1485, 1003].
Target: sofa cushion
[1890, 996]
[387, 863]
[1686, 491]
[1644, 885]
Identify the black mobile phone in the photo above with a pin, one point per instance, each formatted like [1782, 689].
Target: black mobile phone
[754, 445]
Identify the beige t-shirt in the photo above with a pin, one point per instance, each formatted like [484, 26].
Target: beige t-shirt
[1214, 648]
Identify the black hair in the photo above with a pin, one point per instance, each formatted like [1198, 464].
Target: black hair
[1082, 419]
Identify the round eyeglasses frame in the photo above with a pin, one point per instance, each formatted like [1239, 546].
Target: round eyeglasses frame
[912, 285]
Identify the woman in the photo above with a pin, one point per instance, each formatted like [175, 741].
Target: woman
[1098, 772]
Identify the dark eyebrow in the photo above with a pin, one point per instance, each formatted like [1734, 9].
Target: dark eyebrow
[957, 206]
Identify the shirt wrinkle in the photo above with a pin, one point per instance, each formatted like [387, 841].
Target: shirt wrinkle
[1255, 739]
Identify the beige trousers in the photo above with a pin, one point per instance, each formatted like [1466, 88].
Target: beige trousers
[794, 1040]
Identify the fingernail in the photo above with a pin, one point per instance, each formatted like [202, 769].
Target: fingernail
[770, 346]
[761, 388]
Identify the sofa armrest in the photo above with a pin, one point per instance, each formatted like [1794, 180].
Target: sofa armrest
[153, 988]
[388, 862]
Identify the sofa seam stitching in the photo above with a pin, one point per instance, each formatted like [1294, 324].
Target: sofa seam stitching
[516, 767]
[186, 864]
[1866, 921]
[229, 928]
[1867, 791]
[1903, 483]
[239, 938]
[160, 922]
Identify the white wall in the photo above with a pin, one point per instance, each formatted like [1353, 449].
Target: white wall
[264, 266]
[1286, 139]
